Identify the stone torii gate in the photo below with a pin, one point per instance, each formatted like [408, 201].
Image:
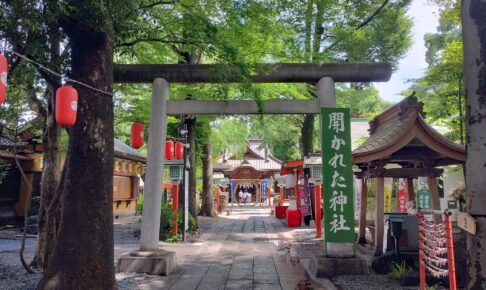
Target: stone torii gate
[149, 258]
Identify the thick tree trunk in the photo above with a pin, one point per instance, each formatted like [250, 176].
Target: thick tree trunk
[307, 134]
[83, 254]
[49, 210]
[312, 47]
[474, 37]
[207, 179]
[191, 136]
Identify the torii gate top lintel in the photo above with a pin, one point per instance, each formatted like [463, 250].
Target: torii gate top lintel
[268, 73]
[323, 75]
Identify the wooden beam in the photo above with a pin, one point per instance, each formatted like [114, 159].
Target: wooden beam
[362, 212]
[242, 107]
[434, 197]
[410, 190]
[379, 215]
[265, 73]
[399, 172]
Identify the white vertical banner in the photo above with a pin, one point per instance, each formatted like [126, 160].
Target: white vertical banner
[388, 194]
[357, 198]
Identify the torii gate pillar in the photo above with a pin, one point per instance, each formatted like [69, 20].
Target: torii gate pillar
[150, 259]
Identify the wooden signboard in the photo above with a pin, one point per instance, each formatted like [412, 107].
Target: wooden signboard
[466, 222]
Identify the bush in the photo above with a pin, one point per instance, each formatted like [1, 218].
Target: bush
[397, 271]
[139, 205]
[166, 222]
[166, 216]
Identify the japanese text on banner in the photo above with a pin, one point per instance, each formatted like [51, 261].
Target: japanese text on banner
[337, 175]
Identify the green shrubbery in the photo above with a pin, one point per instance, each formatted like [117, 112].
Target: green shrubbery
[166, 220]
[139, 205]
[397, 271]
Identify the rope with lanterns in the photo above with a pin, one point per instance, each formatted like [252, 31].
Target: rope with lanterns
[67, 106]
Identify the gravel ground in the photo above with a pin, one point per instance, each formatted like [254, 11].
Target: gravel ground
[13, 276]
[374, 282]
[126, 233]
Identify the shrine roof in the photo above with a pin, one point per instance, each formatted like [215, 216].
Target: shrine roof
[254, 157]
[400, 135]
[122, 150]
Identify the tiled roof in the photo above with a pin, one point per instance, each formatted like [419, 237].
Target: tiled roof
[396, 127]
[122, 150]
[254, 157]
[8, 142]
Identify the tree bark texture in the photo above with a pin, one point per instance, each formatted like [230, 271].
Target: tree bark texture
[83, 255]
[207, 179]
[307, 134]
[49, 210]
[474, 37]
[191, 136]
[313, 45]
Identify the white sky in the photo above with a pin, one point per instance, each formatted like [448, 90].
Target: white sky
[413, 65]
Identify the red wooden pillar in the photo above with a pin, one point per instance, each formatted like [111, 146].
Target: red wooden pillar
[450, 251]
[268, 196]
[218, 193]
[421, 251]
[175, 207]
[317, 192]
[296, 189]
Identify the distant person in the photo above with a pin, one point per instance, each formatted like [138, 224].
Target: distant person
[240, 196]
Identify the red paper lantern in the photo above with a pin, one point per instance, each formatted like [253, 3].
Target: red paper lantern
[179, 150]
[137, 135]
[3, 78]
[66, 105]
[169, 149]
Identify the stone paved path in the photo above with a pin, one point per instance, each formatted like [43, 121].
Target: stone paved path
[239, 251]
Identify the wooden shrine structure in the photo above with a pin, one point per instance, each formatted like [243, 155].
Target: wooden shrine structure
[256, 165]
[401, 138]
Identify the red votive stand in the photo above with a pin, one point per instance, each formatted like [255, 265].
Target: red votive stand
[292, 218]
[280, 211]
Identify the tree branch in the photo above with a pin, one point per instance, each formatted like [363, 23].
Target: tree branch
[368, 20]
[364, 23]
[157, 3]
[37, 106]
[160, 40]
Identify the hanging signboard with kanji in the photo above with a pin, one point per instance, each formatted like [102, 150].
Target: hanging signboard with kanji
[388, 194]
[263, 187]
[402, 196]
[337, 175]
[232, 189]
[423, 194]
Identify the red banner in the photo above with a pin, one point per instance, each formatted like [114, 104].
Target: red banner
[402, 197]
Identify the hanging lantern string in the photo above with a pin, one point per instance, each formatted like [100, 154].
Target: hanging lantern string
[60, 75]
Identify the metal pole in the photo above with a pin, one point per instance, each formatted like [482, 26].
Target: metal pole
[184, 185]
[149, 237]
[450, 251]
[186, 202]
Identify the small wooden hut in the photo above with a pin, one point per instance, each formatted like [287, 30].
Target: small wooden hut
[401, 138]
